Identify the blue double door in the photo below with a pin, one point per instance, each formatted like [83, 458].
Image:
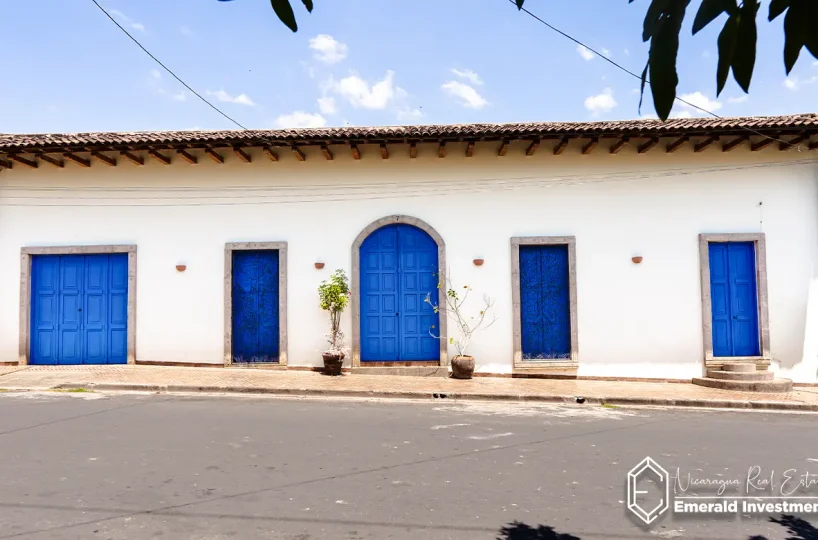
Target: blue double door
[734, 299]
[79, 309]
[545, 302]
[255, 306]
[399, 269]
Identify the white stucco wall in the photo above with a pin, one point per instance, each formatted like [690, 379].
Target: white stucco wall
[634, 320]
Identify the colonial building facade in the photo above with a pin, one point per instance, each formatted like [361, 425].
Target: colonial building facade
[634, 249]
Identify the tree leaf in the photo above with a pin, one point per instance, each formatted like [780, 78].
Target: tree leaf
[777, 7]
[664, 48]
[520, 4]
[727, 48]
[307, 4]
[810, 20]
[793, 39]
[709, 10]
[744, 56]
[284, 11]
[654, 13]
[642, 89]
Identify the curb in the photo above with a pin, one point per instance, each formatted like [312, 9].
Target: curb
[533, 398]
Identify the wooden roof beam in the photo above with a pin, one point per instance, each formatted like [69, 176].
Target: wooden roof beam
[384, 152]
[648, 145]
[133, 158]
[356, 152]
[763, 143]
[299, 155]
[54, 161]
[441, 149]
[327, 152]
[590, 145]
[82, 162]
[675, 145]
[215, 156]
[244, 156]
[503, 148]
[560, 148]
[413, 150]
[738, 141]
[532, 147]
[27, 162]
[619, 145]
[792, 142]
[470, 149]
[187, 156]
[161, 158]
[813, 145]
[111, 162]
[705, 143]
[270, 153]
[5, 164]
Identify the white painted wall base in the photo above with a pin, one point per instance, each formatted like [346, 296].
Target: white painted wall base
[634, 320]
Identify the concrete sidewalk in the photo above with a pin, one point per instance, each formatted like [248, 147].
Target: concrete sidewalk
[303, 383]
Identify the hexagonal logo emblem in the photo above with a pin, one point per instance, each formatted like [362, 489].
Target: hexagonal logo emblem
[648, 490]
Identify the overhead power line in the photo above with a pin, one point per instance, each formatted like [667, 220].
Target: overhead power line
[634, 75]
[166, 68]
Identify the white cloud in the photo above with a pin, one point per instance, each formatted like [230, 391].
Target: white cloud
[224, 97]
[700, 100]
[627, 52]
[127, 21]
[815, 63]
[601, 102]
[328, 49]
[157, 84]
[705, 54]
[468, 74]
[738, 99]
[156, 74]
[469, 97]
[186, 31]
[327, 105]
[300, 119]
[360, 94]
[606, 53]
[792, 83]
[407, 113]
[585, 53]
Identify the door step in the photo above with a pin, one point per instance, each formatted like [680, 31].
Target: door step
[743, 377]
[418, 371]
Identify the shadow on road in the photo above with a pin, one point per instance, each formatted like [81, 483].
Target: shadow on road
[522, 531]
[799, 529]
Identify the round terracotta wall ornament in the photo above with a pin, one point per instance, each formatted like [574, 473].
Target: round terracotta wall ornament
[637, 259]
[181, 267]
[319, 265]
[478, 262]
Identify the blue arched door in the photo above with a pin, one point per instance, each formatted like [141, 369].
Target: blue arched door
[399, 269]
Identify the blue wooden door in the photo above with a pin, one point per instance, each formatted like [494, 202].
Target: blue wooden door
[255, 306]
[399, 267]
[545, 301]
[734, 299]
[79, 309]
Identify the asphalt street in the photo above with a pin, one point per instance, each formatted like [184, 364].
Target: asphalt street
[100, 466]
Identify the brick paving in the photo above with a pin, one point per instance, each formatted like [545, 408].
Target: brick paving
[156, 378]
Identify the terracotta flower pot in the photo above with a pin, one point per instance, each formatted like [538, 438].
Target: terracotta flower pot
[462, 367]
[333, 363]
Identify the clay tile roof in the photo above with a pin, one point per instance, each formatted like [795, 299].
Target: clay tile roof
[767, 125]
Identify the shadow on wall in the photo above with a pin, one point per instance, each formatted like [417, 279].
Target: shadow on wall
[798, 529]
[522, 531]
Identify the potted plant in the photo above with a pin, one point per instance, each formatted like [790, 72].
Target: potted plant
[465, 325]
[334, 296]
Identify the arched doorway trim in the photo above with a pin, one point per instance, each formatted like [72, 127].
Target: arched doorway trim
[356, 280]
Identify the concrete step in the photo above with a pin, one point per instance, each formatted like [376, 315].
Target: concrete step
[739, 367]
[740, 375]
[776, 385]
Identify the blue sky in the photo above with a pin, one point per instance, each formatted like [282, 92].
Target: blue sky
[361, 62]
